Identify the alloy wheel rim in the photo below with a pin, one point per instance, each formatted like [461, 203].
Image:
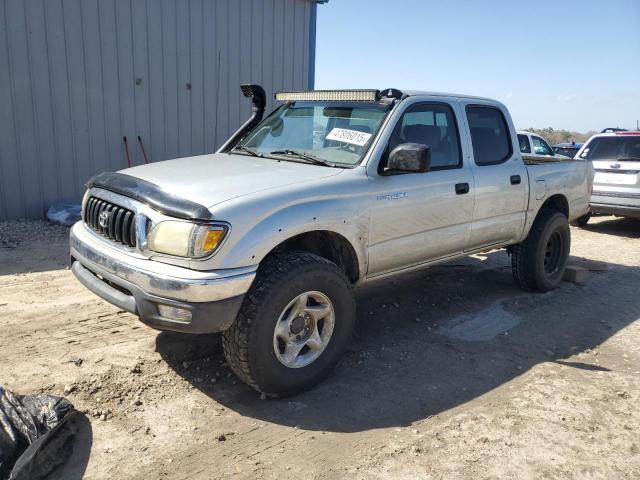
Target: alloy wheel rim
[304, 329]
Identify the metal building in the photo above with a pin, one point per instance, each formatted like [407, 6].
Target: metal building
[76, 76]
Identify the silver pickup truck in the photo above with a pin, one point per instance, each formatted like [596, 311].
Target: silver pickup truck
[266, 239]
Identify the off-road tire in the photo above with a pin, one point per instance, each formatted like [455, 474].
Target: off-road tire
[527, 258]
[581, 221]
[248, 343]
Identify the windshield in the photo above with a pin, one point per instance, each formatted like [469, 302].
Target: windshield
[337, 133]
[613, 148]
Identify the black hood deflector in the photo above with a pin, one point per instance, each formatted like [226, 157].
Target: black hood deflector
[151, 194]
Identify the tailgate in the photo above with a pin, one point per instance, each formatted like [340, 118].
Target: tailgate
[616, 180]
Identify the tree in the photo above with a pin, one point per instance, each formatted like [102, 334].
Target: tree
[561, 136]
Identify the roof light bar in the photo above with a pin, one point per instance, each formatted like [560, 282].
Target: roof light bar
[330, 95]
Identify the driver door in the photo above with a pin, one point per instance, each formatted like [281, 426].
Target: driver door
[420, 217]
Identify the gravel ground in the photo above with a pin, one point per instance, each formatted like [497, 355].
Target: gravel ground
[454, 373]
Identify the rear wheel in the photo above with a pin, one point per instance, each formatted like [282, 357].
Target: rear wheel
[539, 262]
[294, 325]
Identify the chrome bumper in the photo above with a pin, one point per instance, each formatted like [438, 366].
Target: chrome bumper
[155, 278]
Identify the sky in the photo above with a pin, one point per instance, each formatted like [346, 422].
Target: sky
[566, 64]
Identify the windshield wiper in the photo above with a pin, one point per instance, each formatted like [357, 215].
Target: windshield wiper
[244, 148]
[303, 156]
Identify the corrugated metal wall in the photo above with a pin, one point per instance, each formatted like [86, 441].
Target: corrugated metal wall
[78, 75]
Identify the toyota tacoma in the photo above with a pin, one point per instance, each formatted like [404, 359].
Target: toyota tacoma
[266, 239]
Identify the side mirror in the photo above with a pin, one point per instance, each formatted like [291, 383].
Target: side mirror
[409, 157]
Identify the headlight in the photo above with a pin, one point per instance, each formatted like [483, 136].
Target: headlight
[185, 239]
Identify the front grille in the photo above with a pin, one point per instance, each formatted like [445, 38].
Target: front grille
[113, 221]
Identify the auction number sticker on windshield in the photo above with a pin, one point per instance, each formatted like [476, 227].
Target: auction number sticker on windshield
[349, 136]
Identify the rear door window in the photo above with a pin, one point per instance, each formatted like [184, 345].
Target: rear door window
[489, 135]
[525, 145]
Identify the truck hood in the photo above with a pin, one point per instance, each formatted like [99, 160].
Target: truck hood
[216, 178]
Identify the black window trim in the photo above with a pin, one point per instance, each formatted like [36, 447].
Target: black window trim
[385, 155]
[507, 129]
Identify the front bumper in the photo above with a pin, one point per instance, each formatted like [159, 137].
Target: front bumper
[209, 300]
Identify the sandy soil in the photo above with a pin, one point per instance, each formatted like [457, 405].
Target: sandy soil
[454, 373]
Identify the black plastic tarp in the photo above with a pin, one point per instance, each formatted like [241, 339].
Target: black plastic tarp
[35, 434]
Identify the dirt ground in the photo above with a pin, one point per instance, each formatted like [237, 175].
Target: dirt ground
[454, 373]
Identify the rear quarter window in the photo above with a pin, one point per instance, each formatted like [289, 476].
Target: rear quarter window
[489, 135]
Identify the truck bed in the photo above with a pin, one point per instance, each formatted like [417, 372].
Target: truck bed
[574, 178]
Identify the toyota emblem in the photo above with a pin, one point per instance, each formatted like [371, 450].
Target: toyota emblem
[103, 219]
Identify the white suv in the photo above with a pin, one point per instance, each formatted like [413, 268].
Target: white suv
[616, 161]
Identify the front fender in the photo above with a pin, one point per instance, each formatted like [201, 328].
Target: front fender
[256, 241]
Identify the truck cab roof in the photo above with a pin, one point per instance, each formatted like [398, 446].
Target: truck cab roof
[426, 93]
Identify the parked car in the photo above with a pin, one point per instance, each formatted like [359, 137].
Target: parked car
[567, 149]
[266, 239]
[616, 160]
[534, 148]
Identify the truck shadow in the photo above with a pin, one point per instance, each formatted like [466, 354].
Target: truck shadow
[622, 227]
[431, 341]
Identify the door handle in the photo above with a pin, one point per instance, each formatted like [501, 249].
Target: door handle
[462, 188]
[515, 179]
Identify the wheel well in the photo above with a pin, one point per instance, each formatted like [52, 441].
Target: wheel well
[558, 203]
[326, 244]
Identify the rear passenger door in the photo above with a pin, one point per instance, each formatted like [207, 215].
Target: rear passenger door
[500, 177]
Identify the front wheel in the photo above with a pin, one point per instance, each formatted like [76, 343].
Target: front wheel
[539, 262]
[294, 325]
